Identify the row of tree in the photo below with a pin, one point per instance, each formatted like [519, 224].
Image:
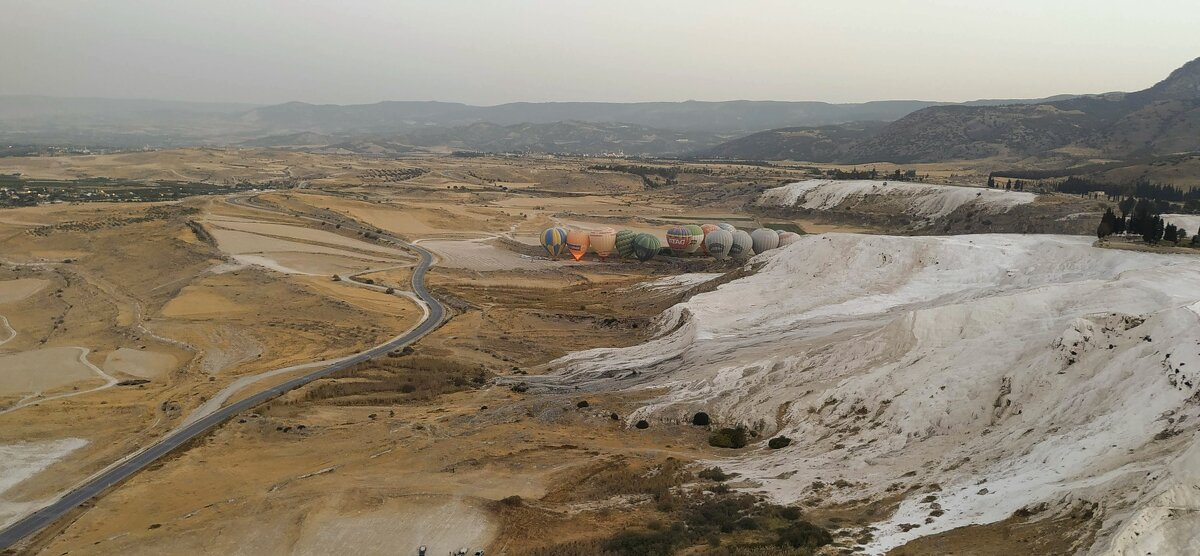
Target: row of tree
[1018, 185]
[873, 174]
[1141, 189]
[1150, 226]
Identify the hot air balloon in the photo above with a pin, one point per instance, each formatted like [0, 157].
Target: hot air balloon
[678, 239]
[717, 243]
[727, 227]
[554, 240]
[706, 228]
[742, 246]
[625, 243]
[764, 239]
[696, 240]
[604, 241]
[577, 242]
[788, 238]
[646, 246]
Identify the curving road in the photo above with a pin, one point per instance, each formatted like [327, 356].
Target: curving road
[48, 515]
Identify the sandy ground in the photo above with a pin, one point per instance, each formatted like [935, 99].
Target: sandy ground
[139, 363]
[15, 290]
[43, 370]
[483, 256]
[24, 460]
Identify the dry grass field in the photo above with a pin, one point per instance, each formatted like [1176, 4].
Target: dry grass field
[190, 304]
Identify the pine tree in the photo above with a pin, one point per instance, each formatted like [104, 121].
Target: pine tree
[1108, 224]
[991, 182]
[1169, 234]
[1126, 205]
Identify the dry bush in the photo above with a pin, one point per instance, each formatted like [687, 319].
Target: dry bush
[394, 380]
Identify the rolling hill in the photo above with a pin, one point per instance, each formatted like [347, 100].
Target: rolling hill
[1161, 120]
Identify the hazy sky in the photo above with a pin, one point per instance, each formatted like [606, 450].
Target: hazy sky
[494, 51]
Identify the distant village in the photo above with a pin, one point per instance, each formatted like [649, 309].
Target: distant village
[16, 191]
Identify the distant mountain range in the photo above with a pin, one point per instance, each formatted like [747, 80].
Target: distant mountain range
[647, 128]
[1161, 120]
[1058, 131]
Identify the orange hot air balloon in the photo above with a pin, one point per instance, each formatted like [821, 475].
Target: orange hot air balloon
[603, 241]
[577, 242]
[706, 228]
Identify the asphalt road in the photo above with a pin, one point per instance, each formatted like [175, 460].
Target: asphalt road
[48, 515]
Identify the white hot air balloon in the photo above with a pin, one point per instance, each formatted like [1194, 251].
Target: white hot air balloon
[717, 243]
[764, 239]
[788, 238]
[742, 246]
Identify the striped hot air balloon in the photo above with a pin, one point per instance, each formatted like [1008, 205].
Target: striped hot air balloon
[696, 240]
[555, 241]
[603, 241]
[717, 243]
[788, 238]
[577, 242]
[625, 243]
[764, 239]
[727, 227]
[742, 246]
[646, 246]
[678, 239]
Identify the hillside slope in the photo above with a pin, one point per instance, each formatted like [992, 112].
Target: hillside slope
[1163, 119]
[1010, 371]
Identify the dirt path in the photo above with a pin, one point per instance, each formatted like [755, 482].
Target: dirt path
[12, 332]
[35, 398]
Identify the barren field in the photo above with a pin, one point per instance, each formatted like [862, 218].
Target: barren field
[513, 426]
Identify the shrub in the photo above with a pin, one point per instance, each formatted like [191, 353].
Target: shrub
[713, 473]
[778, 442]
[520, 387]
[648, 542]
[804, 534]
[582, 404]
[728, 438]
[700, 419]
[642, 424]
[513, 500]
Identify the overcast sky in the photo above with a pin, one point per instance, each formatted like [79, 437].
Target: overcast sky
[495, 51]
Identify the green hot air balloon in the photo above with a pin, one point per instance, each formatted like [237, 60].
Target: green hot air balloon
[697, 238]
[625, 243]
[645, 246]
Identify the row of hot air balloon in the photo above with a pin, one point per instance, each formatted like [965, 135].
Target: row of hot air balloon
[721, 241]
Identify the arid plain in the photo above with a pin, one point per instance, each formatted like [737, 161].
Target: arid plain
[126, 321]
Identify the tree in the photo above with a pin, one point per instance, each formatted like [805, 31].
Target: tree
[1170, 233]
[1108, 224]
[1126, 205]
[1152, 229]
[991, 182]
